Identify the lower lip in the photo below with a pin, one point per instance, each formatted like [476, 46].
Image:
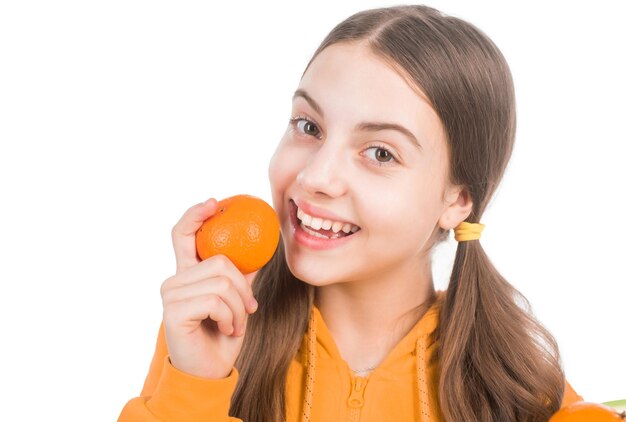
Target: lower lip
[311, 241]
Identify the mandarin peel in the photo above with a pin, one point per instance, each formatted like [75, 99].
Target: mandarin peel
[244, 228]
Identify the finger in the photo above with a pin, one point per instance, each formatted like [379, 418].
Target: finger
[217, 265]
[251, 304]
[199, 308]
[184, 233]
[250, 277]
[220, 286]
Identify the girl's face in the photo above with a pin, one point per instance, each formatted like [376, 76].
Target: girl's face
[366, 153]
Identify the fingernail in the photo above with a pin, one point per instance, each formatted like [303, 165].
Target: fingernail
[253, 304]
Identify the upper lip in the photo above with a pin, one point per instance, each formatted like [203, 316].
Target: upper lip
[315, 211]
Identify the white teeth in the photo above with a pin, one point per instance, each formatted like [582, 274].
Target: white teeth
[316, 234]
[317, 223]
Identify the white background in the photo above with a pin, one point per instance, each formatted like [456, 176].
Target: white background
[117, 116]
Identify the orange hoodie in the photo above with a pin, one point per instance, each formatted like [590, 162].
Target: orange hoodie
[320, 385]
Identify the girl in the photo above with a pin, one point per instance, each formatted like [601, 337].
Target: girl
[402, 126]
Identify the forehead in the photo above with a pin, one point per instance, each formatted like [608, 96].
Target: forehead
[351, 84]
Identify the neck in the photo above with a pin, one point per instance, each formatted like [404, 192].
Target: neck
[367, 318]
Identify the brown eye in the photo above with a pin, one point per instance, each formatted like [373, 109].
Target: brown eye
[383, 155]
[305, 126]
[309, 128]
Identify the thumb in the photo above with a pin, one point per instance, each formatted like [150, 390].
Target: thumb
[184, 233]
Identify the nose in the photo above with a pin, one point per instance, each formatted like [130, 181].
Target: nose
[325, 172]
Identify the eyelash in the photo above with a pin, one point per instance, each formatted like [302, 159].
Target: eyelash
[294, 121]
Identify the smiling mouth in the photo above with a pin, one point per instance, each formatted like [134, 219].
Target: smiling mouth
[322, 228]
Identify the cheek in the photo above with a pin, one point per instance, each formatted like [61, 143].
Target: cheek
[283, 168]
[406, 207]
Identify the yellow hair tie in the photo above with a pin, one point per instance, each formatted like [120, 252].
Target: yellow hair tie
[468, 231]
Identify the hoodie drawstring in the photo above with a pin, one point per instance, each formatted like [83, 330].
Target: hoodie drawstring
[310, 368]
[422, 382]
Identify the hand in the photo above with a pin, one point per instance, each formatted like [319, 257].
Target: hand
[205, 304]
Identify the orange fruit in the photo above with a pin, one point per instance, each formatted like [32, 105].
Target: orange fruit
[582, 411]
[244, 228]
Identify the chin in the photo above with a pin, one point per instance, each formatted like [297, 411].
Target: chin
[309, 273]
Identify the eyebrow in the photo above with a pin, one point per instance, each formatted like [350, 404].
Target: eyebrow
[363, 126]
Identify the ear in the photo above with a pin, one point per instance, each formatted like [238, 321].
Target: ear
[457, 206]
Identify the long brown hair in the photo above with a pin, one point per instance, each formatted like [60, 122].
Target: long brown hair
[496, 362]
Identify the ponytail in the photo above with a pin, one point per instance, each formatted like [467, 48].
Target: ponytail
[497, 362]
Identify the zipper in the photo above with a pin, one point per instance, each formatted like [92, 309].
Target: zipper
[355, 401]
